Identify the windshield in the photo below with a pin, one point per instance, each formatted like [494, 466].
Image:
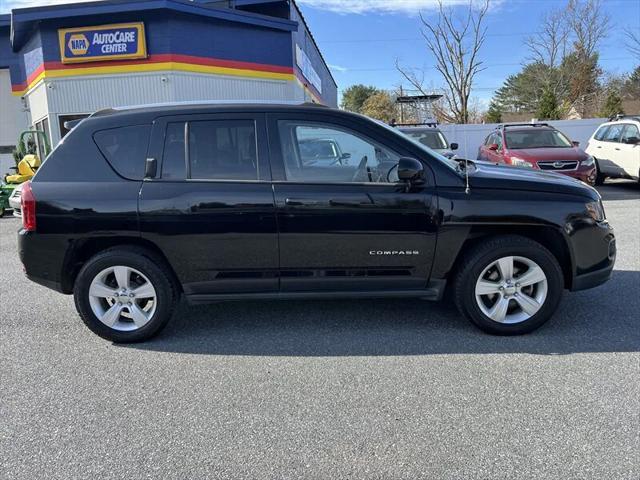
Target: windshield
[532, 138]
[429, 138]
[450, 163]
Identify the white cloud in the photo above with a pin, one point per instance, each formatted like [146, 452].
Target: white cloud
[337, 68]
[380, 6]
[9, 5]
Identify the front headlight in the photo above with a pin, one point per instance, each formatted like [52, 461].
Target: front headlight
[518, 162]
[588, 162]
[596, 211]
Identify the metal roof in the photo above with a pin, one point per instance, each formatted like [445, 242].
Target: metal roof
[23, 19]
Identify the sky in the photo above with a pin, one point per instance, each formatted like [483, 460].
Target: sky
[361, 40]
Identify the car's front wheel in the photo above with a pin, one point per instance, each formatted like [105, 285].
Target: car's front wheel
[600, 177]
[125, 295]
[508, 285]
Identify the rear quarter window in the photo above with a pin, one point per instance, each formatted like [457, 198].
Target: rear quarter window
[125, 148]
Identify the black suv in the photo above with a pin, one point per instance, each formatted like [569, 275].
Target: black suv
[138, 206]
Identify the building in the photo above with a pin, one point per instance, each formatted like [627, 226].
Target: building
[63, 62]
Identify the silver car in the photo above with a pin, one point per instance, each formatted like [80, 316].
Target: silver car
[431, 137]
[14, 200]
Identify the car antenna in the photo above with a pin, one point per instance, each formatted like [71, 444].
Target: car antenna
[466, 176]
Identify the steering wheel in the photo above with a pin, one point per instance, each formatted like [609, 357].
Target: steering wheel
[361, 168]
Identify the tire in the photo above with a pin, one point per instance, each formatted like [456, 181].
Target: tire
[132, 315]
[481, 263]
[600, 177]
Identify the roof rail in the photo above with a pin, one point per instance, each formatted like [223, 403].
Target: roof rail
[620, 116]
[422, 124]
[530, 124]
[124, 108]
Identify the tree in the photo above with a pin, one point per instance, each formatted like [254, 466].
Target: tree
[632, 42]
[455, 44]
[380, 106]
[548, 106]
[631, 87]
[353, 98]
[493, 115]
[612, 105]
[549, 45]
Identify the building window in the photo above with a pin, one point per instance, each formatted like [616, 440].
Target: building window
[68, 118]
[43, 126]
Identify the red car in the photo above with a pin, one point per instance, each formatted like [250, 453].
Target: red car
[539, 146]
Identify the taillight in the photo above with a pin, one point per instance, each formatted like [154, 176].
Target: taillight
[28, 206]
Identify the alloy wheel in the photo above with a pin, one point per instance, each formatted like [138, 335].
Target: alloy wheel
[511, 289]
[122, 298]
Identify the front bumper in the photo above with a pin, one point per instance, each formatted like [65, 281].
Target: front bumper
[595, 256]
[585, 174]
[592, 279]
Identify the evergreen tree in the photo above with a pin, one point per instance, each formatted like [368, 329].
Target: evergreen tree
[612, 105]
[494, 115]
[548, 106]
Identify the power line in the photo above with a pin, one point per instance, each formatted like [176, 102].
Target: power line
[484, 65]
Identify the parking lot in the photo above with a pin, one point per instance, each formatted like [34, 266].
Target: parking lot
[343, 389]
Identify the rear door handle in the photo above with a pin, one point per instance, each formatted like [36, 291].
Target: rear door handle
[299, 202]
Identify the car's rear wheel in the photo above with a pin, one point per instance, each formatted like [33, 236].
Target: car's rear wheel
[125, 295]
[508, 285]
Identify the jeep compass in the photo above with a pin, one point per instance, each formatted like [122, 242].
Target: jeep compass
[139, 207]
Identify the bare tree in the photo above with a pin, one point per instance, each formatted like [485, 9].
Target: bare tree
[632, 41]
[549, 46]
[589, 24]
[455, 44]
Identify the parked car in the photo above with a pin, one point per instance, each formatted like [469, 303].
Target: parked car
[431, 137]
[140, 206]
[616, 147]
[539, 146]
[14, 200]
[322, 151]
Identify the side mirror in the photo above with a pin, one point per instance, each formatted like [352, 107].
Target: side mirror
[411, 171]
[632, 141]
[493, 146]
[575, 144]
[454, 146]
[345, 156]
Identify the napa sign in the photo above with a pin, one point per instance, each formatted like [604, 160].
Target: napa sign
[105, 42]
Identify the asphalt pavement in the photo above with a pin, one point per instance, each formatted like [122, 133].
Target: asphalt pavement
[380, 389]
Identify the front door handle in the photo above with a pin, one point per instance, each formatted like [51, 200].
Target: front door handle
[348, 203]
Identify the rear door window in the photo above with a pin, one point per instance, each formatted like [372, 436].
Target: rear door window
[174, 166]
[223, 150]
[125, 148]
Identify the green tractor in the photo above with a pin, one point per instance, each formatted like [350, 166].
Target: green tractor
[27, 162]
